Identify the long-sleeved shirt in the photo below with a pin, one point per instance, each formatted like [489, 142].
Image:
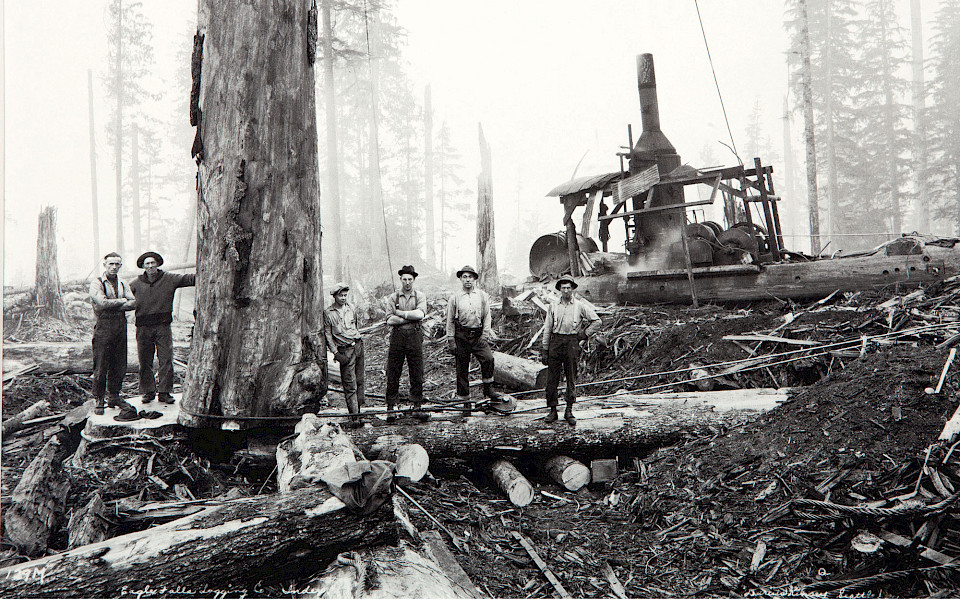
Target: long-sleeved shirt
[413, 305]
[569, 317]
[470, 309]
[109, 296]
[155, 298]
[340, 326]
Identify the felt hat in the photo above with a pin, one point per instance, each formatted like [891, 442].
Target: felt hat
[147, 255]
[566, 280]
[339, 287]
[407, 270]
[467, 269]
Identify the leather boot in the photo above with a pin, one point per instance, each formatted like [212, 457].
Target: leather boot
[98, 406]
[489, 392]
[391, 415]
[552, 415]
[419, 414]
[467, 407]
[568, 415]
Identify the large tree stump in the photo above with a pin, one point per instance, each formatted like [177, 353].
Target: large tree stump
[37, 503]
[49, 296]
[230, 548]
[259, 294]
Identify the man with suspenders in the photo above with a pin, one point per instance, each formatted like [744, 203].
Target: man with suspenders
[111, 298]
[406, 310]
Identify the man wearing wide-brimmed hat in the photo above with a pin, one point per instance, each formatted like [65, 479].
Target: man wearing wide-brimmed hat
[469, 331]
[344, 340]
[154, 290]
[568, 321]
[405, 311]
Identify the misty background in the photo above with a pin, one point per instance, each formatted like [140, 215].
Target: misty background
[553, 85]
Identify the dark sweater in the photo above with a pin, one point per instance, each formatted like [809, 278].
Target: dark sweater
[155, 299]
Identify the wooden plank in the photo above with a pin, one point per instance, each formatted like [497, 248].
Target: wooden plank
[637, 184]
[760, 337]
[928, 553]
[542, 565]
[615, 584]
[654, 209]
[436, 549]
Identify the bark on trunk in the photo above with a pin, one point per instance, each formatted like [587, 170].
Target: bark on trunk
[89, 525]
[486, 242]
[518, 373]
[15, 423]
[49, 296]
[135, 189]
[259, 292]
[623, 423]
[569, 473]
[37, 503]
[512, 483]
[228, 548]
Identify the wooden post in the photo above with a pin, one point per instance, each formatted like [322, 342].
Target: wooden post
[97, 257]
[49, 297]
[259, 297]
[573, 250]
[686, 257]
[428, 230]
[486, 242]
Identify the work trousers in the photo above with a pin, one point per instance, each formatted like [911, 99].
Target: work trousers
[109, 354]
[155, 339]
[562, 356]
[352, 376]
[405, 344]
[469, 341]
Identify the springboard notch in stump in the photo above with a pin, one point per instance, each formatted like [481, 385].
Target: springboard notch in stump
[569, 473]
[512, 483]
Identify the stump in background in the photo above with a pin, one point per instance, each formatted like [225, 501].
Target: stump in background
[49, 296]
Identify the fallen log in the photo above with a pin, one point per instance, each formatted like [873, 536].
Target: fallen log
[223, 550]
[511, 482]
[15, 423]
[65, 357]
[411, 460]
[89, 525]
[318, 450]
[569, 473]
[621, 423]
[37, 503]
[518, 373]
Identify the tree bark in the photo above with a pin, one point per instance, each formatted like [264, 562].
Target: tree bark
[232, 547]
[49, 296]
[38, 502]
[512, 483]
[318, 449]
[486, 240]
[89, 525]
[259, 290]
[623, 423]
[808, 130]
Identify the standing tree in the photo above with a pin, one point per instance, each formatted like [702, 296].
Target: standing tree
[944, 114]
[486, 241]
[452, 193]
[919, 118]
[49, 298]
[259, 297]
[334, 219]
[430, 253]
[93, 173]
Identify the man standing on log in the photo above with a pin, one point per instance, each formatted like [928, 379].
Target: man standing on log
[406, 310]
[111, 297]
[469, 332]
[154, 290]
[568, 322]
[343, 338]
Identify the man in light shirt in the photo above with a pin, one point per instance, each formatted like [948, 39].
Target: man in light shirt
[469, 332]
[344, 340]
[568, 321]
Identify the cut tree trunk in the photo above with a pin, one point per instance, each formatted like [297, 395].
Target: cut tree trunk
[15, 423]
[411, 460]
[38, 502]
[228, 548]
[512, 483]
[518, 373]
[89, 525]
[318, 449]
[486, 243]
[49, 296]
[622, 423]
[259, 293]
[569, 473]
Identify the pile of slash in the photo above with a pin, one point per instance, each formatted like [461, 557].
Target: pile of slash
[842, 490]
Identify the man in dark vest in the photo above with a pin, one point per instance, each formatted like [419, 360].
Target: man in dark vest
[110, 298]
[405, 311]
[154, 291]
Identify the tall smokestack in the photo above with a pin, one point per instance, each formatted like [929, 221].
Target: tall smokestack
[653, 147]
